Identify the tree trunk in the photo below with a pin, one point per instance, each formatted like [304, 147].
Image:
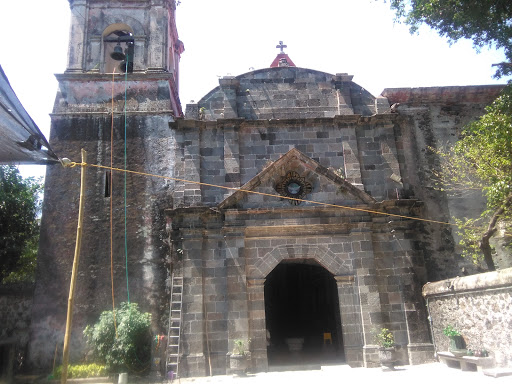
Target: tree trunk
[486, 249]
[484, 245]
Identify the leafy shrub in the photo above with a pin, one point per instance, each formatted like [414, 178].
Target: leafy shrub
[239, 347]
[450, 331]
[81, 371]
[130, 349]
[385, 338]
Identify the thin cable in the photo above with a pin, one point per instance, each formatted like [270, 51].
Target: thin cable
[266, 194]
[111, 207]
[125, 211]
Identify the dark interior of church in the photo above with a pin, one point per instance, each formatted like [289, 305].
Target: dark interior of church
[302, 315]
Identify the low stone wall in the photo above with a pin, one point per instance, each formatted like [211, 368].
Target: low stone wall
[479, 306]
[15, 315]
[15, 312]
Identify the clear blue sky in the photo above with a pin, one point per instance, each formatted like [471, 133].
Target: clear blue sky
[231, 36]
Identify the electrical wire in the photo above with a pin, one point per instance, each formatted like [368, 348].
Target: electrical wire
[265, 194]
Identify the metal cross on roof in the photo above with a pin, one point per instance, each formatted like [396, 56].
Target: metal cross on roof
[281, 46]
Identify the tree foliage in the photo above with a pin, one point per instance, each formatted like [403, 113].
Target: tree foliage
[482, 161]
[124, 345]
[19, 227]
[485, 22]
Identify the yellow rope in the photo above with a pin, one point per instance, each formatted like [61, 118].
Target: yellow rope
[73, 164]
[111, 192]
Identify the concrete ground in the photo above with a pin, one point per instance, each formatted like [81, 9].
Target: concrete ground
[435, 373]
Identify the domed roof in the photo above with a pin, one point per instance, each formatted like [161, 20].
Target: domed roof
[283, 92]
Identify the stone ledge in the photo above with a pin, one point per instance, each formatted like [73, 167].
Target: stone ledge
[465, 363]
[482, 281]
[498, 372]
[463, 94]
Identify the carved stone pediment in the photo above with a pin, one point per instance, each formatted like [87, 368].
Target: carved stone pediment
[295, 177]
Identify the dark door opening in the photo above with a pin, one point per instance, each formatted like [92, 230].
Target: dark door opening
[302, 311]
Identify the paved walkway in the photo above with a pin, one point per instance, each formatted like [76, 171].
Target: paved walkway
[435, 373]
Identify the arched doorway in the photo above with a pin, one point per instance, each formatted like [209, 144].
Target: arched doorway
[301, 303]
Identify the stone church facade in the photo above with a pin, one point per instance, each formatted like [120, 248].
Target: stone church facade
[294, 204]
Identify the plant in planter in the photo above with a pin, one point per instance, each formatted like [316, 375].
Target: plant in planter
[239, 358]
[202, 113]
[456, 341]
[387, 352]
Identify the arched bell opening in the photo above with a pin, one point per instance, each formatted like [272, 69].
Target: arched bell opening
[302, 315]
[118, 48]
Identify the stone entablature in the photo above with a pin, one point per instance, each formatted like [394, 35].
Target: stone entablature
[475, 94]
[479, 306]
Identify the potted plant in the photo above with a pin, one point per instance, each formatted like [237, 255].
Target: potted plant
[239, 358]
[387, 352]
[456, 340]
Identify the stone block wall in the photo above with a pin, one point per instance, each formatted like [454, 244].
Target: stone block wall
[479, 306]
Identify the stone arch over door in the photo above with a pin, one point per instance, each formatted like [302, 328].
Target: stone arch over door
[339, 266]
[322, 255]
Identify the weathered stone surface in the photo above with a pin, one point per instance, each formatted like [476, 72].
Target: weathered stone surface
[284, 93]
[479, 308]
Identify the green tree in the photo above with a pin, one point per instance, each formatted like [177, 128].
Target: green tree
[481, 160]
[122, 342]
[19, 227]
[485, 22]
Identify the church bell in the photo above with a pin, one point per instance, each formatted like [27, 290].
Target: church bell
[118, 53]
[127, 63]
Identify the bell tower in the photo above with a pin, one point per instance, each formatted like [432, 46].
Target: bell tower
[143, 31]
[116, 99]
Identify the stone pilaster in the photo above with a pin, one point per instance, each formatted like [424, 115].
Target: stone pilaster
[350, 320]
[238, 311]
[342, 84]
[215, 302]
[157, 44]
[229, 86]
[351, 157]
[257, 326]
[231, 156]
[188, 192]
[193, 360]
[369, 296]
[419, 346]
[77, 35]
[390, 158]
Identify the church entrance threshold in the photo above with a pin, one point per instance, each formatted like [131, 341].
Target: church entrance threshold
[302, 316]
